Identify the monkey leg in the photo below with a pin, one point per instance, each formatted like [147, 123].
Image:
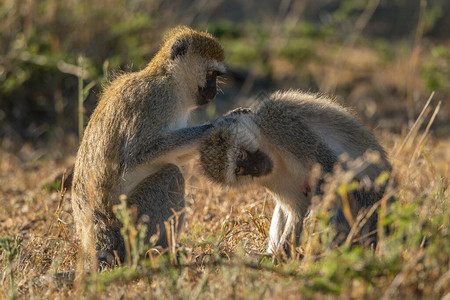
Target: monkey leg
[283, 224]
[341, 226]
[361, 202]
[277, 227]
[99, 233]
[155, 199]
[368, 232]
[108, 240]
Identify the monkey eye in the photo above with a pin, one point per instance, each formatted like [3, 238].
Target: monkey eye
[239, 170]
[242, 155]
[213, 73]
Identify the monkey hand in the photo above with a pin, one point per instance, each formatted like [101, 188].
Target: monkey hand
[231, 117]
[238, 111]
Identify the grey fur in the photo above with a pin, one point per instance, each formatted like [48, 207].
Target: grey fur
[297, 131]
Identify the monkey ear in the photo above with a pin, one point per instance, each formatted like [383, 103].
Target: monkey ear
[179, 48]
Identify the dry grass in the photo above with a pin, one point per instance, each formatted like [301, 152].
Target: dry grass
[225, 231]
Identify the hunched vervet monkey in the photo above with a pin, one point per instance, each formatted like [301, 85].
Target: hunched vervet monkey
[277, 145]
[135, 134]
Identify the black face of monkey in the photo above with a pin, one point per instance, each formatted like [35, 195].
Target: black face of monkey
[207, 93]
[254, 164]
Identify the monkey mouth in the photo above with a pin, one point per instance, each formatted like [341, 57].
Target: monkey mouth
[205, 95]
[265, 167]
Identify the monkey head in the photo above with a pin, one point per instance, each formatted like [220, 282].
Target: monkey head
[193, 60]
[231, 155]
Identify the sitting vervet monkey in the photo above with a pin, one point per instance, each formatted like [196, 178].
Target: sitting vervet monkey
[135, 137]
[277, 145]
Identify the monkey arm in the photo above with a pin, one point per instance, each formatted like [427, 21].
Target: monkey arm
[175, 146]
[149, 156]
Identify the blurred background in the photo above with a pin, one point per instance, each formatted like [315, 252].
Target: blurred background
[381, 57]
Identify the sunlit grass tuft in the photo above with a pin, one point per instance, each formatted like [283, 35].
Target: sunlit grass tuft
[218, 253]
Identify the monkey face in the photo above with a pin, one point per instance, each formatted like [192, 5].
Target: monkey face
[207, 93]
[254, 164]
[230, 154]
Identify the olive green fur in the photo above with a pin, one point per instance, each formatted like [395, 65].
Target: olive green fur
[134, 136]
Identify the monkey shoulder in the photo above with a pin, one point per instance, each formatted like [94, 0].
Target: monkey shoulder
[280, 116]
